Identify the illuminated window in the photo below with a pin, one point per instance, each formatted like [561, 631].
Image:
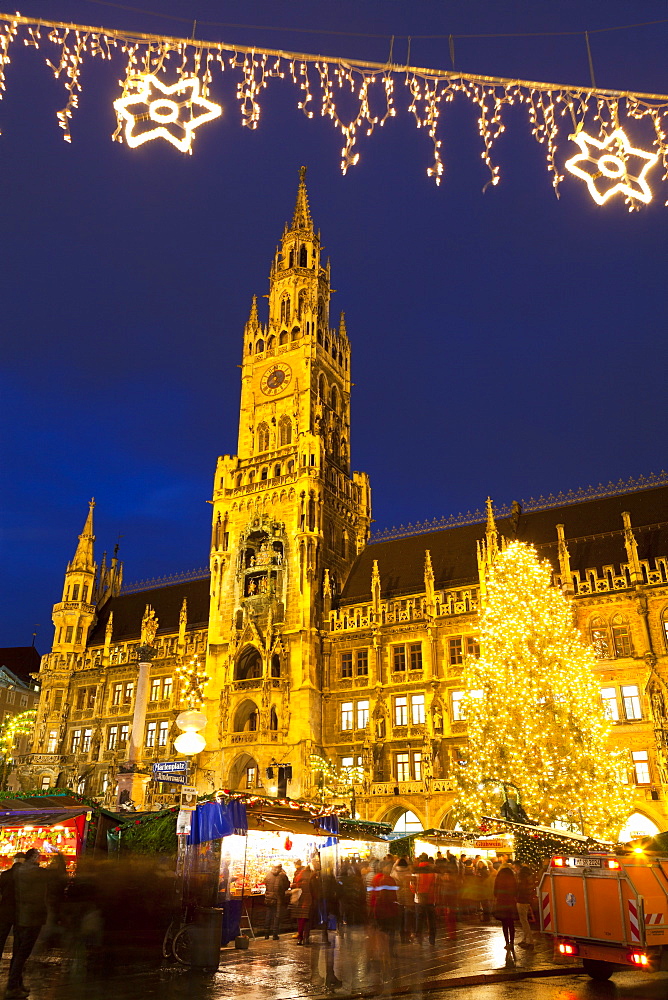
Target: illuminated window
[251, 777]
[398, 658]
[415, 655]
[57, 700]
[346, 664]
[455, 651]
[86, 740]
[23, 701]
[610, 706]
[53, 741]
[117, 694]
[112, 737]
[631, 699]
[150, 734]
[163, 732]
[401, 711]
[599, 638]
[263, 437]
[11, 695]
[347, 715]
[284, 431]
[621, 636]
[46, 782]
[90, 700]
[69, 632]
[75, 592]
[76, 740]
[641, 766]
[472, 647]
[155, 689]
[362, 714]
[362, 662]
[417, 765]
[128, 692]
[458, 714]
[167, 687]
[403, 767]
[417, 709]
[124, 735]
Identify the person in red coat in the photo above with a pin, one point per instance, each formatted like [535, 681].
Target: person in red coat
[505, 904]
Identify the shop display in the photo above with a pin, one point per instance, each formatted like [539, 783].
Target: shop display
[246, 860]
[58, 839]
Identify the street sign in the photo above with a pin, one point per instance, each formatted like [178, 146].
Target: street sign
[188, 798]
[175, 772]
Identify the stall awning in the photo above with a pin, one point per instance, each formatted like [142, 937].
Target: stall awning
[40, 817]
[214, 820]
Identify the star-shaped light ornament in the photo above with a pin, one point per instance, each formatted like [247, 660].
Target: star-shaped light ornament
[604, 165]
[155, 111]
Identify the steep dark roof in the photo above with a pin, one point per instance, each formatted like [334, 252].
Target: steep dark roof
[129, 610]
[453, 550]
[21, 660]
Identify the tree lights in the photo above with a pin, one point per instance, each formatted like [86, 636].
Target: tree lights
[166, 78]
[534, 713]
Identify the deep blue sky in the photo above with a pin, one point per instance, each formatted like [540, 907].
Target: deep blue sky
[504, 343]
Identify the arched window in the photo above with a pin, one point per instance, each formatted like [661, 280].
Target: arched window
[273, 719]
[251, 476]
[295, 333]
[334, 399]
[321, 388]
[250, 346]
[284, 431]
[264, 475]
[248, 665]
[621, 636]
[303, 257]
[301, 304]
[291, 467]
[240, 480]
[291, 259]
[263, 437]
[259, 347]
[277, 471]
[275, 665]
[407, 821]
[246, 717]
[283, 339]
[285, 309]
[599, 637]
[271, 343]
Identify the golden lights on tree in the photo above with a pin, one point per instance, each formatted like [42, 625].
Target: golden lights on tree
[13, 728]
[533, 707]
[334, 782]
[193, 679]
[166, 78]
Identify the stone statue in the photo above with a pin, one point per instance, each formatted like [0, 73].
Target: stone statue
[149, 626]
[438, 718]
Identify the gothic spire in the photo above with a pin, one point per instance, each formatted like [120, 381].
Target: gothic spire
[302, 214]
[253, 319]
[83, 557]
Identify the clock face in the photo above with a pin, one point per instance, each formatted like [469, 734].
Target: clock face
[275, 379]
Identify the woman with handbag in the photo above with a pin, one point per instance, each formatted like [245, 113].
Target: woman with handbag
[301, 902]
[505, 905]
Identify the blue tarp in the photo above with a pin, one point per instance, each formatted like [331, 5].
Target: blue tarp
[213, 820]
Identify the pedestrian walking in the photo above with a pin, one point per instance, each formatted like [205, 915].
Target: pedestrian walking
[8, 899]
[526, 887]
[505, 905]
[406, 899]
[302, 902]
[31, 884]
[424, 885]
[275, 885]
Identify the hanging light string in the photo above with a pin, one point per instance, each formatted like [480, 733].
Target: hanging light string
[375, 90]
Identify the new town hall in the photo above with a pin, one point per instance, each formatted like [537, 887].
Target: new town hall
[317, 640]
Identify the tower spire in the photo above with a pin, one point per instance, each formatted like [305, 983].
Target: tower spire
[302, 214]
[253, 320]
[83, 557]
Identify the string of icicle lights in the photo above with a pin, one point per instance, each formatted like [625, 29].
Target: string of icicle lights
[614, 140]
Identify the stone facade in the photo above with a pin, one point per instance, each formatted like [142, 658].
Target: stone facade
[319, 640]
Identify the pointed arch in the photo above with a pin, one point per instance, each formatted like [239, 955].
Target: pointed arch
[244, 773]
[285, 309]
[334, 399]
[246, 717]
[259, 346]
[303, 256]
[284, 430]
[271, 343]
[301, 304]
[248, 665]
[273, 719]
[283, 339]
[263, 437]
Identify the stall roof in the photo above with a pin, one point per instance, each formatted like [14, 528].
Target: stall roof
[362, 829]
[43, 817]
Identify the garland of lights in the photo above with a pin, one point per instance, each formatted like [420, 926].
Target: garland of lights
[167, 84]
[22, 724]
[193, 679]
[336, 782]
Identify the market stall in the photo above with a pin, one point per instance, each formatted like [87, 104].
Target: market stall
[362, 841]
[50, 831]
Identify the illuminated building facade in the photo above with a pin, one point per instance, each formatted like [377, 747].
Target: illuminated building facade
[320, 640]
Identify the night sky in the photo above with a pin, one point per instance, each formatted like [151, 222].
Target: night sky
[504, 343]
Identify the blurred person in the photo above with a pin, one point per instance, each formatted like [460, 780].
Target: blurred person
[483, 889]
[447, 885]
[384, 914]
[526, 887]
[353, 894]
[302, 902]
[31, 884]
[276, 883]
[467, 892]
[8, 899]
[505, 905]
[55, 901]
[401, 873]
[424, 886]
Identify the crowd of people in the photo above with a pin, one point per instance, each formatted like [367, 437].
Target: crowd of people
[411, 900]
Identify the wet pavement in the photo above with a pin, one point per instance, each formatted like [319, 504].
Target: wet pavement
[357, 962]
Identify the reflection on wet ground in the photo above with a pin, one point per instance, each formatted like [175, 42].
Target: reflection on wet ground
[358, 961]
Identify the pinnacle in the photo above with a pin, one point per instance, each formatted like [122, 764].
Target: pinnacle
[253, 319]
[302, 214]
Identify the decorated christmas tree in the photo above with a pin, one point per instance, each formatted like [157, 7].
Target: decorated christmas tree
[533, 706]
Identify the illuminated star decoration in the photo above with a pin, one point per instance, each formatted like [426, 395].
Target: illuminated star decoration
[155, 105]
[603, 165]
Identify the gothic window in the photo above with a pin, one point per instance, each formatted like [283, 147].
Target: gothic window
[621, 636]
[251, 477]
[271, 343]
[303, 257]
[311, 515]
[291, 467]
[263, 437]
[259, 347]
[250, 346]
[273, 719]
[301, 304]
[334, 399]
[284, 431]
[264, 474]
[291, 259]
[277, 471]
[599, 637]
[240, 480]
[249, 664]
[275, 665]
[285, 310]
[295, 333]
[283, 339]
[321, 388]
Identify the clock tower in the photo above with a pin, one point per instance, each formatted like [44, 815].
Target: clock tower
[288, 521]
